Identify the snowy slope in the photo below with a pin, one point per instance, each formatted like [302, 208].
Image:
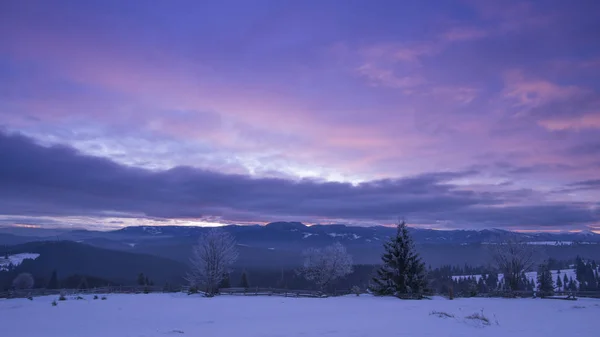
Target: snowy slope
[156, 315]
[16, 259]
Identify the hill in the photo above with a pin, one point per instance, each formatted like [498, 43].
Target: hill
[69, 258]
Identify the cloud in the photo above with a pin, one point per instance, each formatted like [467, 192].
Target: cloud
[463, 34]
[534, 92]
[387, 78]
[573, 123]
[59, 181]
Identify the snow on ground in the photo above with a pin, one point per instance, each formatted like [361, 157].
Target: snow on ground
[350, 316]
[532, 275]
[16, 259]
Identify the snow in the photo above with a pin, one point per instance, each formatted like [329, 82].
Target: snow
[156, 315]
[335, 235]
[530, 275]
[352, 236]
[306, 235]
[16, 259]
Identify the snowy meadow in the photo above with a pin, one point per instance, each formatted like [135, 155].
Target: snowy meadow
[224, 316]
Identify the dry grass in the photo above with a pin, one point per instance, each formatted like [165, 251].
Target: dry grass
[479, 316]
[441, 314]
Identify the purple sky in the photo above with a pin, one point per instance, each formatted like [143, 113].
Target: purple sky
[452, 114]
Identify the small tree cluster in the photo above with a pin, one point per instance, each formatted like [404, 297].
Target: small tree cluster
[586, 273]
[143, 280]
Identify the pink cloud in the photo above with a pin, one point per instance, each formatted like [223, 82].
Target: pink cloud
[458, 34]
[588, 121]
[534, 92]
[386, 77]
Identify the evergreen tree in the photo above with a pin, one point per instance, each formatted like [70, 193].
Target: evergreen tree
[402, 272]
[141, 279]
[244, 281]
[580, 270]
[566, 281]
[83, 284]
[572, 285]
[559, 283]
[544, 279]
[225, 282]
[53, 283]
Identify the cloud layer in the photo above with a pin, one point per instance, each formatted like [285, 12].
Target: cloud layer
[59, 181]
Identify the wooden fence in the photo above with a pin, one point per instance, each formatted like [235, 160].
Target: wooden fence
[265, 292]
[271, 292]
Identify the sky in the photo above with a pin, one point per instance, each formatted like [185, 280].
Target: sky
[450, 114]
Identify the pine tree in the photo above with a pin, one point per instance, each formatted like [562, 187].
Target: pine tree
[225, 282]
[83, 284]
[141, 279]
[402, 272]
[559, 283]
[244, 281]
[565, 281]
[53, 283]
[545, 283]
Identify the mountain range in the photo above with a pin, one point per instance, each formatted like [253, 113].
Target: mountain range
[280, 244]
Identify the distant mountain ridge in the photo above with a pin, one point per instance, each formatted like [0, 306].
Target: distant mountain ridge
[344, 232]
[280, 244]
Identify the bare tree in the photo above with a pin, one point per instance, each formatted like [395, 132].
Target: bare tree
[211, 259]
[513, 258]
[23, 281]
[323, 266]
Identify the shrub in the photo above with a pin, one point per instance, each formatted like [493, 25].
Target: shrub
[23, 281]
[79, 298]
[30, 298]
[95, 297]
[450, 293]
[54, 303]
[103, 298]
[479, 316]
[356, 290]
[146, 290]
[441, 314]
[62, 297]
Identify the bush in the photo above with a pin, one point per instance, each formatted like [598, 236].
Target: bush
[146, 290]
[356, 290]
[79, 298]
[62, 297]
[95, 297]
[450, 293]
[193, 290]
[103, 298]
[479, 316]
[30, 298]
[54, 303]
[23, 281]
[441, 314]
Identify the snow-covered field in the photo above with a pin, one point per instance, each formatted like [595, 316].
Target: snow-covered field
[350, 316]
[16, 259]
